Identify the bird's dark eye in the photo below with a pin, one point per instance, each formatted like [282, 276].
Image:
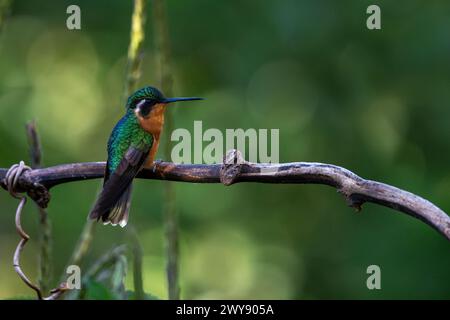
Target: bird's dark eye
[145, 106]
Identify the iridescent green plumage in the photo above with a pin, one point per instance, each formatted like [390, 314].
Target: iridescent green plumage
[126, 133]
[144, 93]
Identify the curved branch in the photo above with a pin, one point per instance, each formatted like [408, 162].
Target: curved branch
[10, 180]
[355, 189]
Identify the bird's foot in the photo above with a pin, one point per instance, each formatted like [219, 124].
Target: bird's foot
[155, 165]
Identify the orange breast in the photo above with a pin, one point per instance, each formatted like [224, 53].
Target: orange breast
[153, 124]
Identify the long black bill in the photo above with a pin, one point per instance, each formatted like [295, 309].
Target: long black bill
[170, 100]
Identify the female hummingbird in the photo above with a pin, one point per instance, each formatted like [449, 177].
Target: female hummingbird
[132, 146]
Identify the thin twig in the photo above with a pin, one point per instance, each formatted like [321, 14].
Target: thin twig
[163, 49]
[45, 233]
[34, 144]
[355, 189]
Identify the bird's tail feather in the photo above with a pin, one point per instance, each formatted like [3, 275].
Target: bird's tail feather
[117, 214]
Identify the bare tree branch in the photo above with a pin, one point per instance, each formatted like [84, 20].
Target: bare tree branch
[355, 189]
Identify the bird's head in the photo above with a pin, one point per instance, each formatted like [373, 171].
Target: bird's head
[146, 101]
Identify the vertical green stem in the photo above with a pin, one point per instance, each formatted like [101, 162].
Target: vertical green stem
[84, 242]
[45, 266]
[170, 216]
[137, 36]
[82, 247]
[139, 293]
[135, 48]
[45, 233]
[172, 250]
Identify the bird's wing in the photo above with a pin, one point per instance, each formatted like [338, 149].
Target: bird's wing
[118, 181]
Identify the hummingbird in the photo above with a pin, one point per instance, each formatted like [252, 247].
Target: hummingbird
[132, 146]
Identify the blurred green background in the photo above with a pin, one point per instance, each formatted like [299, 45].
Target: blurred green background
[375, 102]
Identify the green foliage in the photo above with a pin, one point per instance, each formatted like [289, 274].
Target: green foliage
[97, 291]
[105, 279]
